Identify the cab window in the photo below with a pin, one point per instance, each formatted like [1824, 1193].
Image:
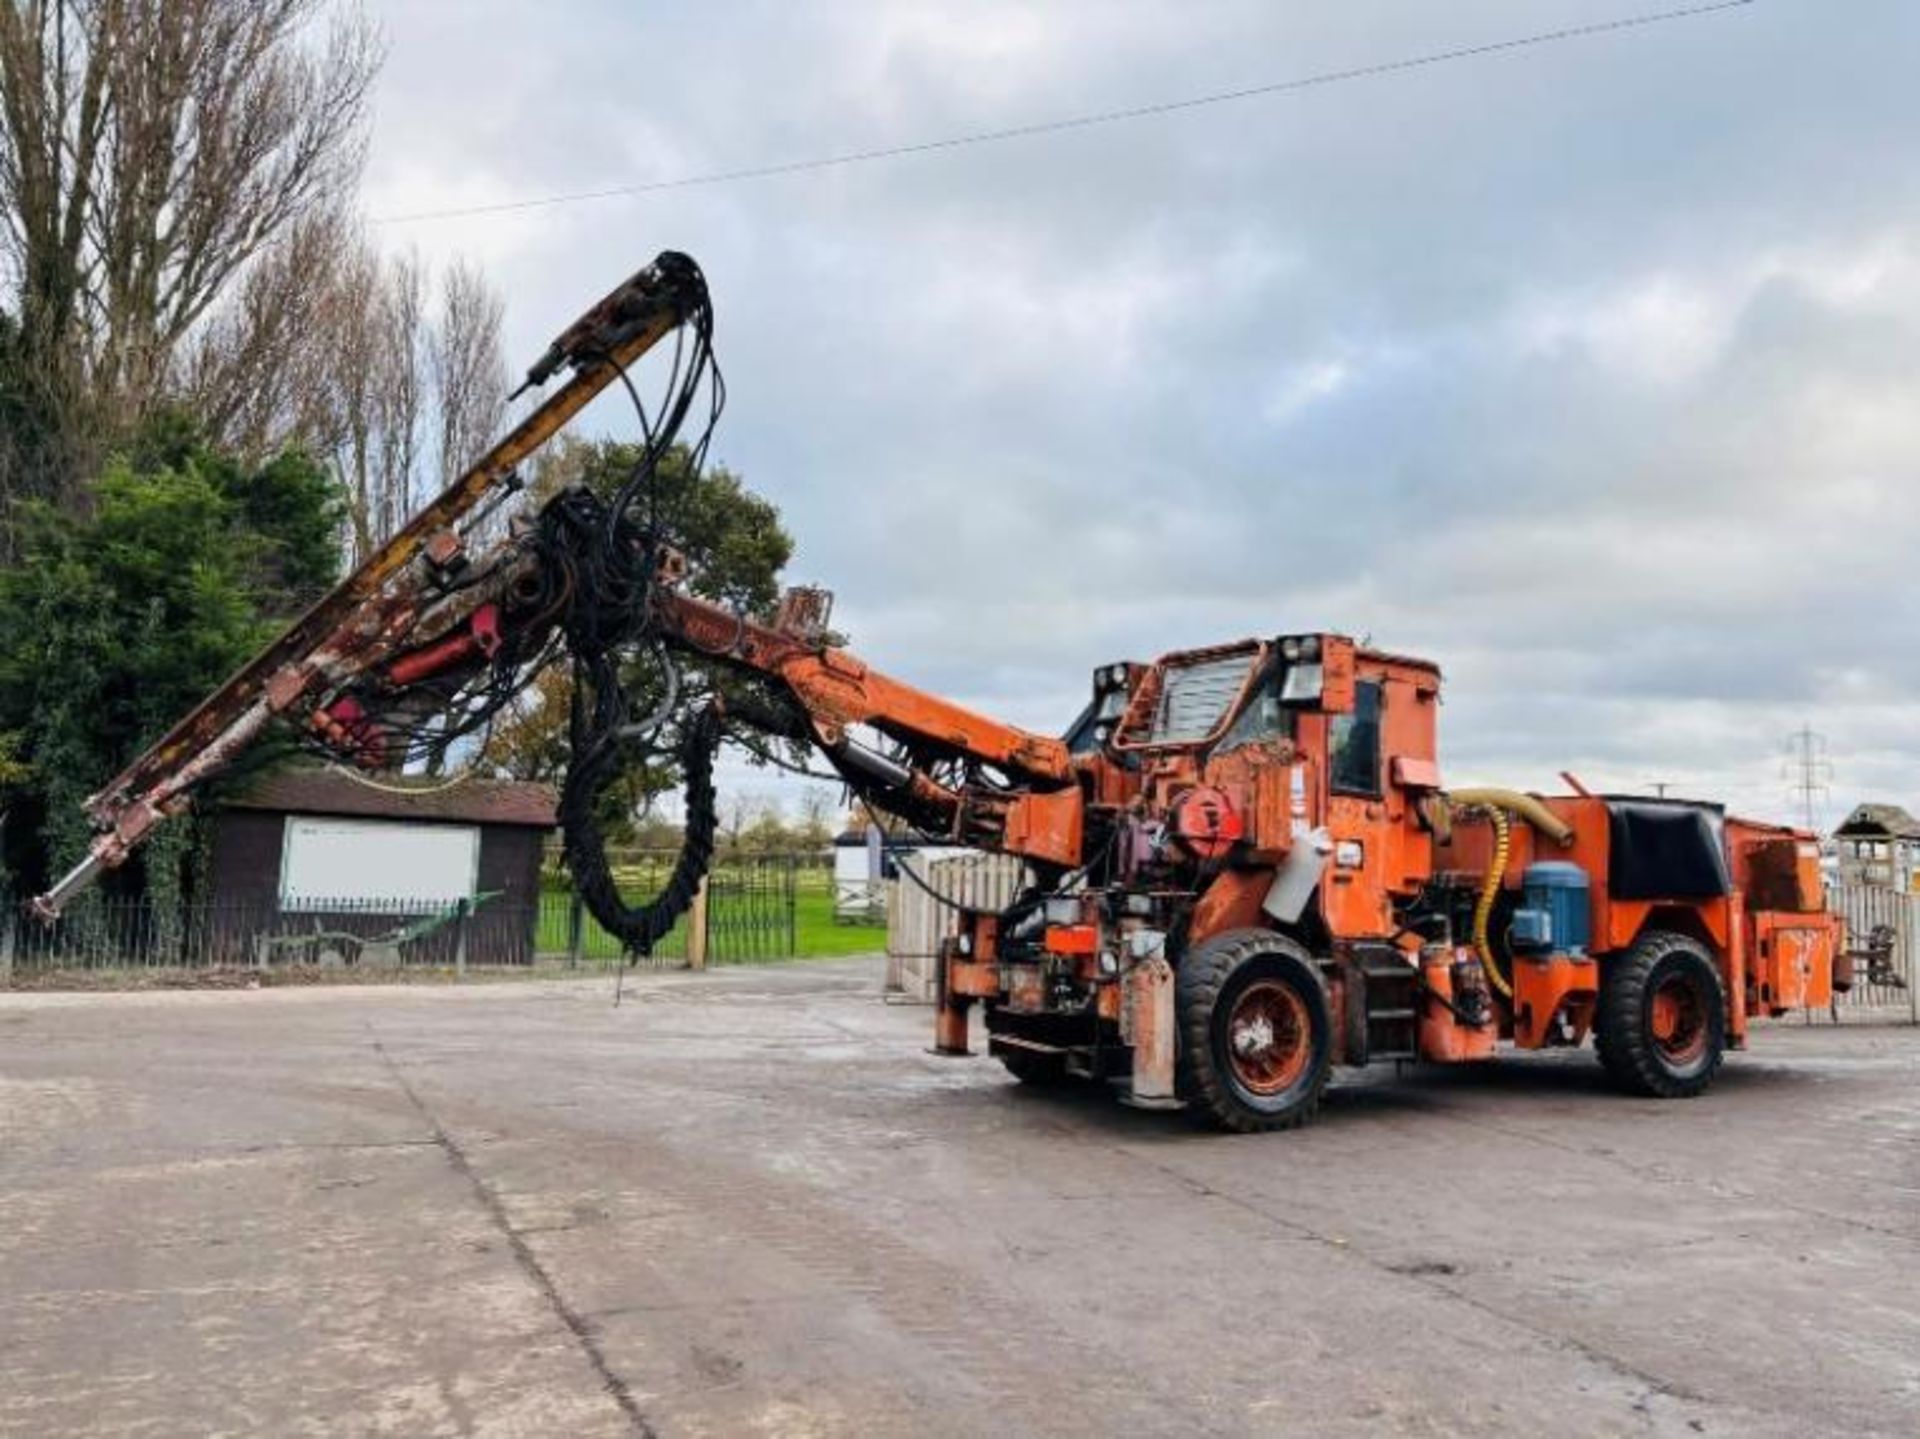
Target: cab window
[1264, 716]
[1353, 743]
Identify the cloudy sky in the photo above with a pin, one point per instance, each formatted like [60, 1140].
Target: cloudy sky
[1591, 371]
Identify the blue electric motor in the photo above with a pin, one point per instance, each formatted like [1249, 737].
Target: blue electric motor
[1556, 911]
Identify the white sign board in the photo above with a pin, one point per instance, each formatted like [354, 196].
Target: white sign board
[397, 867]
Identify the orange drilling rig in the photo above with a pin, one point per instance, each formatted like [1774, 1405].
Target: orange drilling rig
[1243, 868]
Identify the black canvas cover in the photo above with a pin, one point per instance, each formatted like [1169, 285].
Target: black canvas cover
[1666, 849]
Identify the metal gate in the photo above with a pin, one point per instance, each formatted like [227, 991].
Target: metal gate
[1883, 927]
[750, 910]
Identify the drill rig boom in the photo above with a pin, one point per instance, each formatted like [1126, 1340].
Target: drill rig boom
[360, 622]
[835, 691]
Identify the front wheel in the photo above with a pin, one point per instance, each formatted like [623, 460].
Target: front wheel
[1255, 1031]
[1661, 1029]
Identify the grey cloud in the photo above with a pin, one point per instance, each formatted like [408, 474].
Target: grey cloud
[1587, 371]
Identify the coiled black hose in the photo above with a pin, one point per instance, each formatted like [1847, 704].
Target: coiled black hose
[639, 928]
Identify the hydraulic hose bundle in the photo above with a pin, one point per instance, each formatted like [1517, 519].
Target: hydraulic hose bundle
[640, 927]
[608, 564]
[608, 558]
[582, 587]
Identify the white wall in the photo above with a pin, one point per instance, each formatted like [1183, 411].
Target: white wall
[328, 863]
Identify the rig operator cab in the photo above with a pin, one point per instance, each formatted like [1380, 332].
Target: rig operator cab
[1268, 880]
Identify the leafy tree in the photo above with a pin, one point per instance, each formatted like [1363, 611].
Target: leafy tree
[13, 775]
[34, 442]
[123, 618]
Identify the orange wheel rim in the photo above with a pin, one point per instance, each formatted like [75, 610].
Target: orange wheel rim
[1678, 1019]
[1269, 1037]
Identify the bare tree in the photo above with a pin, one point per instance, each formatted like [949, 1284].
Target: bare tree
[150, 151]
[424, 385]
[816, 815]
[398, 399]
[737, 812]
[469, 376]
[263, 368]
[394, 375]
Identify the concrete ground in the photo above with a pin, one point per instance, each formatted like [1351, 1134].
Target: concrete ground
[750, 1203]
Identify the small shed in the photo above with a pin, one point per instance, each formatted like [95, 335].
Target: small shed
[312, 851]
[859, 894]
[866, 861]
[1879, 845]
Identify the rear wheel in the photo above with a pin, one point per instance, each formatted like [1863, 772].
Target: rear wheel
[1256, 1032]
[1662, 1023]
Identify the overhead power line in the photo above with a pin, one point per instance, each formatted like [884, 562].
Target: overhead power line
[1074, 122]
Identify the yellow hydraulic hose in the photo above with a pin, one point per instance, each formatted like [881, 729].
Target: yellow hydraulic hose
[1515, 802]
[1499, 803]
[1489, 892]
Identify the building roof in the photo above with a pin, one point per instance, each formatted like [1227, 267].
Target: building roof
[473, 801]
[1880, 820]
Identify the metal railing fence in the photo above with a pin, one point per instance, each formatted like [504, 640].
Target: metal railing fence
[751, 912]
[1883, 929]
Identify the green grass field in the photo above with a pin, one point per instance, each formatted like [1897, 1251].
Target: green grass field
[819, 935]
[746, 917]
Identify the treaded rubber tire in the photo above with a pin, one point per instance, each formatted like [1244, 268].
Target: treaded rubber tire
[1623, 1025]
[1039, 1070]
[1207, 982]
[1600, 1049]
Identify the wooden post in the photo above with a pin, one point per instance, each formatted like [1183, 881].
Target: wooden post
[697, 928]
[460, 939]
[6, 945]
[1908, 903]
[576, 932]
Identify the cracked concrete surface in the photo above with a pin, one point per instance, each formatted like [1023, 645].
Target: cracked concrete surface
[750, 1202]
